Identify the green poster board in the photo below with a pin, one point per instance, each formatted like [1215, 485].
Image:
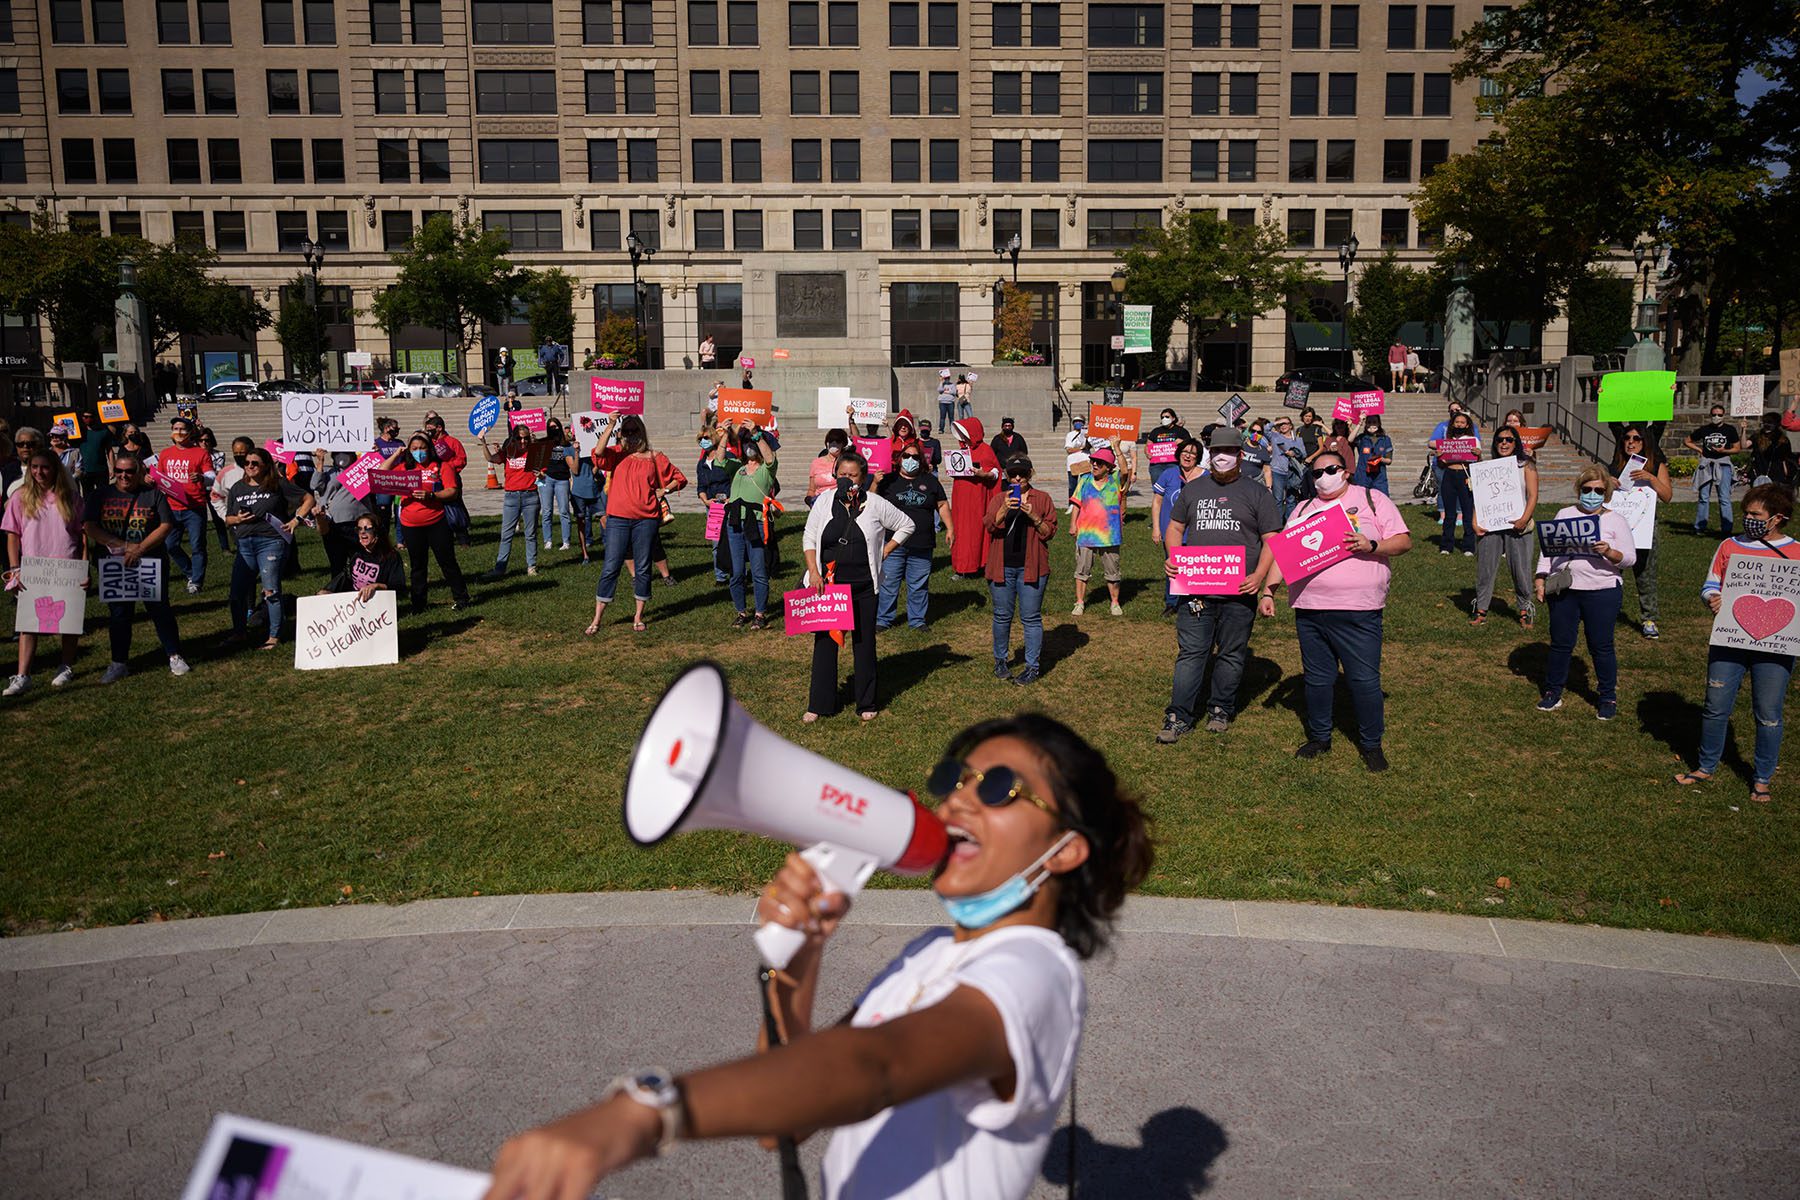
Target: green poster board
[1637, 396]
[1137, 329]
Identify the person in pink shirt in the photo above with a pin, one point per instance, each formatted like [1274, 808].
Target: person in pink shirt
[43, 520]
[1338, 611]
[1586, 589]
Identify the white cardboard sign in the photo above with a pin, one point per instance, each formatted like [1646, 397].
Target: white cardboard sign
[327, 421]
[1499, 487]
[120, 584]
[1638, 506]
[341, 630]
[834, 407]
[959, 463]
[1747, 395]
[1759, 607]
[51, 595]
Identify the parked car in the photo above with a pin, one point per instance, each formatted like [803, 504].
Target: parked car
[415, 385]
[271, 389]
[232, 390]
[1177, 381]
[1324, 379]
[363, 387]
[537, 385]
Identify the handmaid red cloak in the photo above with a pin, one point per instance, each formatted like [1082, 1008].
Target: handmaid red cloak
[969, 500]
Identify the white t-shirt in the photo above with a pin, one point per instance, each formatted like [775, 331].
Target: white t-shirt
[964, 1143]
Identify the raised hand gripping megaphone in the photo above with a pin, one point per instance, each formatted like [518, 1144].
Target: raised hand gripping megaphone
[702, 762]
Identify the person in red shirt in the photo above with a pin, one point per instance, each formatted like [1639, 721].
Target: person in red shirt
[450, 452]
[189, 467]
[636, 478]
[520, 458]
[422, 515]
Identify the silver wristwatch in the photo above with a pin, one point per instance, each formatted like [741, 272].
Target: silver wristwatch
[655, 1088]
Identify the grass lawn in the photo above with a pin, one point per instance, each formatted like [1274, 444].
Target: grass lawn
[491, 759]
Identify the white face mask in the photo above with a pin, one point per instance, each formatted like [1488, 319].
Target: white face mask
[1331, 485]
[1223, 462]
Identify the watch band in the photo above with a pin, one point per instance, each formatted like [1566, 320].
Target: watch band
[655, 1089]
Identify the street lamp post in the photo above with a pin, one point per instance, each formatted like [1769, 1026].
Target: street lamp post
[1347, 257]
[1011, 248]
[1645, 354]
[1117, 369]
[639, 250]
[314, 254]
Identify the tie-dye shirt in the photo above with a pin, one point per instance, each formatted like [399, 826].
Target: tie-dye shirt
[1096, 520]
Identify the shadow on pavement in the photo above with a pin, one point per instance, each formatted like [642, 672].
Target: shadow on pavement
[1176, 1149]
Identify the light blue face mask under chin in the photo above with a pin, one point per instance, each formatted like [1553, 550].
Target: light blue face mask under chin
[978, 912]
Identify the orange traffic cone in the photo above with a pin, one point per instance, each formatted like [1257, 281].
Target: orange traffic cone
[493, 483]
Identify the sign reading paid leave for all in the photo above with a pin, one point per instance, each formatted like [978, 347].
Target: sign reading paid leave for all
[1570, 535]
[123, 583]
[746, 404]
[1114, 422]
[1312, 545]
[340, 629]
[52, 595]
[1207, 570]
[1759, 606]
[810, 611]
[327, 421]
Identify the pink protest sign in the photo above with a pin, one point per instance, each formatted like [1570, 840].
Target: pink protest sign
[1162, 452]
[1207, 570]
[618, 396]
[715, 521]
[167, 486]
[819, 612]
[355, 477]
[879, 452]
[1312, 545]
[1459, 450]
[1368, 404]
[280, 453]
[746, 362]
[1342, 409]
[395, 483]
[531, 418]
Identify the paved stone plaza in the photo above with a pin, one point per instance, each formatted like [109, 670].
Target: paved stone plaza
[1233, 1049]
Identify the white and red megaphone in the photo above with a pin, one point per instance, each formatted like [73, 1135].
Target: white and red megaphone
[702, 762]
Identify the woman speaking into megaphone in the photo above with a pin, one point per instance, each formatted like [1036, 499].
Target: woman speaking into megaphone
[947, 1077]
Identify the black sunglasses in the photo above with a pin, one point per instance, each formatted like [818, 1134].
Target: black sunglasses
[996, 787]
[1320, 472]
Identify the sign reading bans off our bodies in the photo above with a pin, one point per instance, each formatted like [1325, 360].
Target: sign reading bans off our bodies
[327, 421]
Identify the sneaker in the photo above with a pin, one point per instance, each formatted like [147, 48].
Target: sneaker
[63, 677]
[178, 665]
[1441, 550]
[1173, 730]
[114, 672]
[1217, 721]
[1313, 749]
[1649, 630]
[565, 545]
[1117, 611]
[1027, 676]
[459, 605]
[1607, 710]
[17, 684]
[1374, 759]
[1079, 608]
[193, 588]
[1478, 618]
[531, 570]
[1468, 554]
[1000, 671]
[1551, 702]
[547, 544]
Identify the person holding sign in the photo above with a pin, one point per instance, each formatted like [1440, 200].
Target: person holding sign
[1224, 508]
[374, 566]
[1716, 441]
[1020, 522]
[553, 483]
[1639, 462]
[262, 511]
[425, 521]
[1584, 588]
[1767, 511]
[1455, 450]
[1186, 468]
[972, 499]
[1338, 609]
[1096, 518]
[748, 525]
[1508, 541]
[519, 457]
[849, 533]
[43, 519]
[637, 477]
[338, 506]
[131, 519]
[1374, 451]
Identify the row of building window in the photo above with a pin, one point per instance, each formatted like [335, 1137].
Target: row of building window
[737, 23]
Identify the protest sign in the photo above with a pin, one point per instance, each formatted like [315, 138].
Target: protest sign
[620, 396]
[113, 411]
[52, 595]
[1638, 506]
[355, 477]
[1637, 396]
[746, 362]
[534, 419]
[1105, 421]
[242, 1157]
[1534, 437]
[959, 464]
[1343, 409]
[1233, 408]
[122, 584]
[878, 450]
[1162, 453]
[279, 452]
[1207, 570]
[1458, 449]
[834, 407]
[167, 486]
[69, 423]
[867, 410]
[1499, 487]
[188, 410]
[359, 360]
[484, 416]
[810, 611]
[590, 427]
[1790, 372]
[1368, 404]
[384, 482]
[278, 527]
[1747, 395]
[1309, 546]
[340, 629]
[746, 404]
[715, 520]
[779, 355]
[1570, 535]
[1297, 392]
[1136, 325]
[1759, 607]
[327, 421]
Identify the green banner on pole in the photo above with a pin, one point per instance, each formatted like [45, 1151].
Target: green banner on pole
[1137, 329]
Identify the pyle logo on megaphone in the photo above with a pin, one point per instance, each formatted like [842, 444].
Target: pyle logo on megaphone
[703, 763]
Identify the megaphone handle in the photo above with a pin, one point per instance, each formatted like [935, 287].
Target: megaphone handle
[841, 870]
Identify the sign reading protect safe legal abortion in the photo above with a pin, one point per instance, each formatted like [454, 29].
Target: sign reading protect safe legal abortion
[1312, 545]
[1207, 570]
[327, 421]
[340, 629]
[623, 396]
[1759, 606]
[810, 611]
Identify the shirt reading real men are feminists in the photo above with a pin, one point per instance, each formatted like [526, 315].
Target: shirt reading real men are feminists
[1239, 513]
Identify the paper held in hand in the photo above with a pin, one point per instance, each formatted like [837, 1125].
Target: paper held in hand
[51, 595]
[1207, 570]
[1569, 535]
[242, 1157]
[1747, 395]
[340, 629]
[1759, 606]
[122, 584]
[959, 463]
[1309, 546]
[1638, 506]
[1499, 487]
[809, 611]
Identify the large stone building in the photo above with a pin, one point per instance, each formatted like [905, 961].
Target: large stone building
[899, 144]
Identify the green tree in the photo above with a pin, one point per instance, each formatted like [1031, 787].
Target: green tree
[301, 331]
[1012, 326]
[1203, 271]
[549, 305]
[453, 278]
[1387, 296]
[617, 340]
[69, 279]
[181, 297]
[1600, 314]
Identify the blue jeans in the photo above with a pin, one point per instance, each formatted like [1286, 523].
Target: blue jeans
[913, 566]
[1597, 610]
[945, 409]
[1713, 477]
[1328, 638]
[1028, 598]
[1222, 620]
[518, 514]
[1769, 676]
[751, 561]
[1286, 486]
[258, 560]
[190, 524]
[553, 497]
[1456, 498]
[626, 534]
